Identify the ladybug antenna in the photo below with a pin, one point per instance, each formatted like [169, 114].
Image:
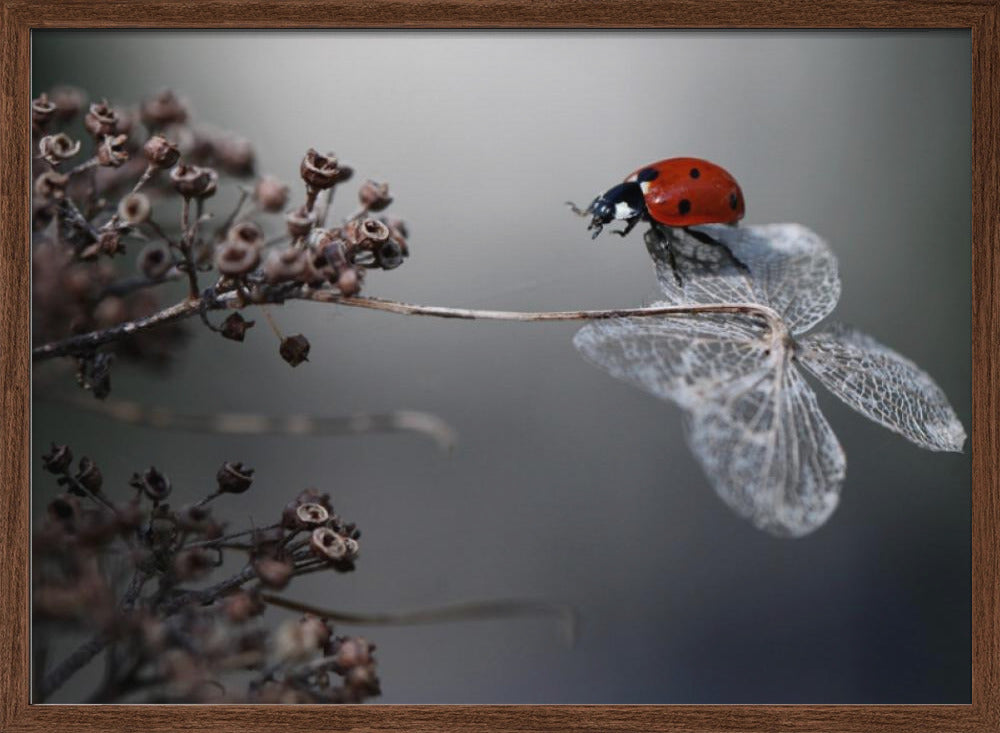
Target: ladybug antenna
[577, 210]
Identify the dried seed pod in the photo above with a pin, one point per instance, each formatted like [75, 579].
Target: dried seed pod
[163, 109]
[353, 652]
[112, 152]
[64, 509]
[349, 281]
[68, 101]
[319, 171]
[57, 148]
[315, 631]
[51, 185]
[89, 476]
[134, 208]
[152, 483]
[192, 181]
[154, 261]
[327, 544]
[300, 222]
[234, 478]
[246, 232]
[294, 349]
[285, 264]
[389, 255]
[273, 573]
[235, 259]
[58, 459]
[101, 120]
[160, 152]
[242, 605]
[235, 327]
[312, 514]
[271, 194]
[193, 564]
[374, 196]
[42, 110]
[235, 155]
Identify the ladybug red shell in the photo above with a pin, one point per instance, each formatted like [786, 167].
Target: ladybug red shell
[676, 192]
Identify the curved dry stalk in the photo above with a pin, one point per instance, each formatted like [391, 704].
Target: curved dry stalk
[84, 343]
[479, 610]
[248, 423]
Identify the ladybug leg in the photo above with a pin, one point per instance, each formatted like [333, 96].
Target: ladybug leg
[706, 239]
[628, 227]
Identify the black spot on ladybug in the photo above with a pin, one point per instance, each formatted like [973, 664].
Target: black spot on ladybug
[647, 174]
[684, 206]
[734, 201]
[695, 172]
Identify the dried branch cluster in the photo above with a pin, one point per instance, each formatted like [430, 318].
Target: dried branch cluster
[186, 622]
[144, 176]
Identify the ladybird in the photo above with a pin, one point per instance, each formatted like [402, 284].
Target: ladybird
[676, 192]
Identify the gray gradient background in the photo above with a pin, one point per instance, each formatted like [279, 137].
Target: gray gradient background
[567, 485]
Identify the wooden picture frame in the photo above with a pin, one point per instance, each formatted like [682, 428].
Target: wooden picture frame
[979, 17]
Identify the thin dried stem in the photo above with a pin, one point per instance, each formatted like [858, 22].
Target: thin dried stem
[457, 612]
[89, 341]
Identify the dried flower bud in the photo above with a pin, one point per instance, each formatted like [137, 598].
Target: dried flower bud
[315, 631]
[51, 185]
[362, 680]
[110, 311]
[242, 606]
[112, 151]
[235, 155]
[285, 264]
[160, 152]
[64, 509]
[89, 476]
[58, 459]
[291, 643]
[193, 564]
[235, 259]
[194, 518]
[294, 349]
[271, 194]
[311, 514]
[372, 232]
[68, 101]
[273, 573]
[134, 208]
[235, 327]
[101, 120]
[152, 483]
[374, 196]
[163, 109]
[352, 546]
[154, 261]
[313, 495]
[57, 148]
[319, 171]
[234, 478]
[300, 222]
[353, 652]
[192, 181]
[327, 544]
[389, 255]
[42, 110]
[349, 281]
[246, 232]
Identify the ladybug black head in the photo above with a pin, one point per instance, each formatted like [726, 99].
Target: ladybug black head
[624, 201]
